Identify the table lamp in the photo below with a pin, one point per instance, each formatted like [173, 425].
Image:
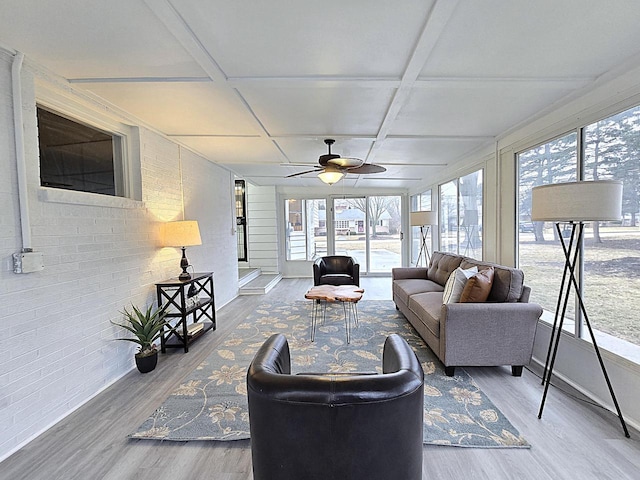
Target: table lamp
[182, 234]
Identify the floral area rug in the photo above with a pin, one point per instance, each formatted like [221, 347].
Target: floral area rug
[211, 403]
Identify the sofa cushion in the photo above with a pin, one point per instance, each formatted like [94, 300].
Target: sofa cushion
[441, 266]
[456, 283]
[427, 307]
[507, 281]
[404, 288]
[478, 287]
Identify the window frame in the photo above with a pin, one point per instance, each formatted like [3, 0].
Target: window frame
[88, 112]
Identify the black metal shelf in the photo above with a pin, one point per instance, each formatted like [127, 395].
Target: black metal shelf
[173, 295]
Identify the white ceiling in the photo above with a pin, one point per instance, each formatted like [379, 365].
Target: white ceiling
[414, 85]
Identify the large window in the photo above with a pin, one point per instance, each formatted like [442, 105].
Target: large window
[75, 156]
[306, 229]
[420, 202]
[461, 215]
[540, 252]
[610, 267]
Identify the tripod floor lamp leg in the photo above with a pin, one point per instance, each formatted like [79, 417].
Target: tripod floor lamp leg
[555, 335]
[563, 283]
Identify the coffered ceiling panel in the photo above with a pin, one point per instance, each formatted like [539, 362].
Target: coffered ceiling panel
[521, 38]
[351, 111]
[234, 150]
[285, 38]
[85, 39]
[484, 110]
[181, 108]
[426, 151]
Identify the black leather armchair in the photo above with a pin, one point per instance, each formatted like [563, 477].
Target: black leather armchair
[336, 426]
[336, 270]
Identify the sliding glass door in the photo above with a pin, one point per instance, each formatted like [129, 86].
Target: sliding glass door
[368, 228]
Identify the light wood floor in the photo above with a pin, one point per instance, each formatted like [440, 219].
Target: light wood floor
[572, 441]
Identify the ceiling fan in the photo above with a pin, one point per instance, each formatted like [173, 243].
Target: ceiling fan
[333, 166]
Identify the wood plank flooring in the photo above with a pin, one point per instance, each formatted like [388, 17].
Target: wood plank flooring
[573, 440]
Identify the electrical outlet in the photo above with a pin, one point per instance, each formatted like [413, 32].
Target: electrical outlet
[27, 262]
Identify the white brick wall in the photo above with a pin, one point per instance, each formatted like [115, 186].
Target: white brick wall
[57, 349]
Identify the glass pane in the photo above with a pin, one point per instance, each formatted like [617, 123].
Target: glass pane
[295, 241]
[305, 232]
[384, 231]
[449, 217]
[420, 202]
[316, 214]
[539, 251]
[470, 187]
[349, 223]
[612, 249]
[74, 156]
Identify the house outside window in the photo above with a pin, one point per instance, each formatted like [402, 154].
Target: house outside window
[305, 230]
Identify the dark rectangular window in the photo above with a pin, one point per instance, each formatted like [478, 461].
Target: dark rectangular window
[74, 156]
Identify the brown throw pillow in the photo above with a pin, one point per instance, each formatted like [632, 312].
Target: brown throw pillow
[478, 287]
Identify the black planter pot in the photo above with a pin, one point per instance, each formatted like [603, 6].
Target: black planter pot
[147, 363]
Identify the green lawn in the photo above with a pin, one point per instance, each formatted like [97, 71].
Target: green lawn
[612, 278]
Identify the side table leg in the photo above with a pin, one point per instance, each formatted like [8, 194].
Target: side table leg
[314, 319]
[347, 320]
[355, 311]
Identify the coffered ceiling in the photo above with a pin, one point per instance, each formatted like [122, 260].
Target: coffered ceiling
[254, 85]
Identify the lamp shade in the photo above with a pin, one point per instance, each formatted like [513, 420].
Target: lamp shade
[598, 200]
[181, 234]
[424, 217]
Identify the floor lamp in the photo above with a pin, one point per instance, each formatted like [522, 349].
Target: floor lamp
[574, 203]
[423, 219]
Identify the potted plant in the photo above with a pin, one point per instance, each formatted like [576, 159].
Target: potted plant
[146, 328]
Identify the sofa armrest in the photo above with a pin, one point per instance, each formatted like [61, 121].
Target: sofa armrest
[399, 273]
[488, 333]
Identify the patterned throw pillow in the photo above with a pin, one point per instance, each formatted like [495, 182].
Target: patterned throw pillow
[455, 284]
[478, 287]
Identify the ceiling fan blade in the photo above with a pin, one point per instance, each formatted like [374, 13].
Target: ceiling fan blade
[367, 168]
[347, 162]
[302, 173]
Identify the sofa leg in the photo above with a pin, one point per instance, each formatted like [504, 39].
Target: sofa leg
[449, 371]
[516, 370]
[397, 307]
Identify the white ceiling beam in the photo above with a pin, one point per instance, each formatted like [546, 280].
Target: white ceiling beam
[438, 18]
[140, 80]
[180, 29]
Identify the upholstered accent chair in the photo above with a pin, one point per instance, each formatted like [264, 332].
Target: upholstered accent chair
[336, 270]
[321, 426]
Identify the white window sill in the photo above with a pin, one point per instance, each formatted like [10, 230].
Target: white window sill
[56, 195]
[611, 346]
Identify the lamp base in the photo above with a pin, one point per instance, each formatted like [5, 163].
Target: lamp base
[184, 264]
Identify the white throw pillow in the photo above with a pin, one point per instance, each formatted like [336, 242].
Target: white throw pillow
[455, 284]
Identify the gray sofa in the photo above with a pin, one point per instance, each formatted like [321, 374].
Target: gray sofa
[499, 331]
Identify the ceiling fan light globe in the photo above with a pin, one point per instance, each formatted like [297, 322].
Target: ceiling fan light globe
[330, 176]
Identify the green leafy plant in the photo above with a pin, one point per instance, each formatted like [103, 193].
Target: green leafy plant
[145, 326]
